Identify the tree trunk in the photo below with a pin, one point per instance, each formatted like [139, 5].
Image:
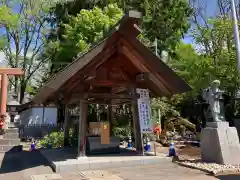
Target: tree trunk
[22, 91]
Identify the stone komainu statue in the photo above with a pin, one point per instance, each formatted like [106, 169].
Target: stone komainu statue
[212, 96]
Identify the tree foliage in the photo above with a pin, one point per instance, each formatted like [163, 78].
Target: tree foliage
[23, 29]
[165, 20]
[194, 68]
[217, 42]
[83, 31]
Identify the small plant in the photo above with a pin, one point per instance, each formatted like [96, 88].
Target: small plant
[121, 132]
[73, 141]
[55, 139]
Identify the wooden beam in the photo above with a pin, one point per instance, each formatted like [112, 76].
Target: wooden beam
[101, 96]
[102, 57]
[152, 66]
[105, 96]
[12, 71]
[89, 68]
[142, 68]
[91, 74]
[108, 96]
[74, 85]
[110, 83]
[118, 89]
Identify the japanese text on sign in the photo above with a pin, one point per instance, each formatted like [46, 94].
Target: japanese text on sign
[144, 111]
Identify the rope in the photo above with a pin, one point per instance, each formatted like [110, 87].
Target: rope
[114, 105]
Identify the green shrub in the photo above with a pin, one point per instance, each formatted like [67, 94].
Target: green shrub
[56, 139]
[73, 141]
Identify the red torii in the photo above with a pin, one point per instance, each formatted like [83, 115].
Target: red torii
[4, 73]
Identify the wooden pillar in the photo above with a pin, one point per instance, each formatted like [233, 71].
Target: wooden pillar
[136, 123]
[66, 126]
[82, 129]
[159, 118]
[109, 116]
[4, 87]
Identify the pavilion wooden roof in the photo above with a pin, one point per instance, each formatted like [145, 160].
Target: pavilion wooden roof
[113, 64]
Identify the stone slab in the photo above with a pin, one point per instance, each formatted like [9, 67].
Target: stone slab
[220, 125]
[102, 162]
[14, 142]
[11, 136]
[220, 144]
[46, 177]
[12, 130]
[99, 175]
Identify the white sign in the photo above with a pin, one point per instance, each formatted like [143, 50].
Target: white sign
[144, 111]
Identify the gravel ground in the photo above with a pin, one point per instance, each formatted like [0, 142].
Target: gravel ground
[211, 167]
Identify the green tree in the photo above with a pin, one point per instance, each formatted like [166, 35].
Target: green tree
[215, 59]
[7, 18]
[23, 31]
[83, 31]
[194, 68]
[217, 42]
[165, 20]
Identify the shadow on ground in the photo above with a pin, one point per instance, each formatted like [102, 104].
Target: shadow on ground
[18, 161]
[229, 177]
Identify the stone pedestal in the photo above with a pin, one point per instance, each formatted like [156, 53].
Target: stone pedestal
[220, 144]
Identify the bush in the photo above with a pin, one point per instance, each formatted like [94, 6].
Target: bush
[56, 139]
[73, 140]
[121, 132]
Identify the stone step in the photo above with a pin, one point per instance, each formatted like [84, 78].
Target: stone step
[11, 136]
[12, 130]
[11, 125]
[10, 148]
[13, 142]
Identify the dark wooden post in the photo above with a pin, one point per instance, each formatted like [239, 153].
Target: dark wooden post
[82, 128]
[136, 123]
[109, 113]
[109, 116]
[66, 126]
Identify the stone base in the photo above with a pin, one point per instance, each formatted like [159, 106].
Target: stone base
[220, 144]
[61, 162]
[82, 158]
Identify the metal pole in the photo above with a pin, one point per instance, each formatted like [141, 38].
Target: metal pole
[236, 33]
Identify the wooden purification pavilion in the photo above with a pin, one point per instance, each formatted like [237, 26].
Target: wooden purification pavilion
[110, 73]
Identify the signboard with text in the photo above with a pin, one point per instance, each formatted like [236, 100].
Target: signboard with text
[144, 111]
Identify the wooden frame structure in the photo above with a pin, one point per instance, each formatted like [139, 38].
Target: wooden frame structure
[5, 72]
[110, 73]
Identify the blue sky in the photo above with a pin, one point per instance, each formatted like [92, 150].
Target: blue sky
[211, 10]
